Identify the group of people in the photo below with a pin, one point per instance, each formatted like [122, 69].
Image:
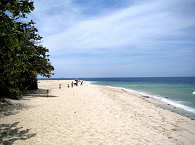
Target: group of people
[75, 83]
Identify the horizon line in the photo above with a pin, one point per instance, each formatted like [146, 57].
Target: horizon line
[115, 77]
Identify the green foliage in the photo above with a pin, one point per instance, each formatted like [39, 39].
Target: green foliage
[22, 57]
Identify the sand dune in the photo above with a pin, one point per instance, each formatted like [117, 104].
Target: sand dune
[93, 115]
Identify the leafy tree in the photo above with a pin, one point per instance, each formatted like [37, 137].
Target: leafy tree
[22, 57]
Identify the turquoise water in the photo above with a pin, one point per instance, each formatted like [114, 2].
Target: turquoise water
[179, 92]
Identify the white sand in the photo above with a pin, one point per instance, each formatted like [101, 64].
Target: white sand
[97, 115]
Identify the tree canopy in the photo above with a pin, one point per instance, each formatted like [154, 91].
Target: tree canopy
[22, 57]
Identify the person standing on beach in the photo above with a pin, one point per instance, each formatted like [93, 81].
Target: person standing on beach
[76, 82]
[59, 86]
[81, 83]
[72, 84]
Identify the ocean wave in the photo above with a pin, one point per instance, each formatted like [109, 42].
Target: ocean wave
[160, 98]
[193, 93]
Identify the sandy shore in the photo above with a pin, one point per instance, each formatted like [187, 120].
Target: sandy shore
[92, 115]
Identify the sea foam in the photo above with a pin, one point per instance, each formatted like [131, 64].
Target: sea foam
[160, 98]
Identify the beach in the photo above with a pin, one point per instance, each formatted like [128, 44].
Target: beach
[92, 115]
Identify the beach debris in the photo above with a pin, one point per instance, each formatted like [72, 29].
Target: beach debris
[146, 96]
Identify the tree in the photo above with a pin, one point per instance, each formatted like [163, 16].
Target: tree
[22, 57]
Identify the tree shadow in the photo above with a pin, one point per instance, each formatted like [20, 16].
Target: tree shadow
[8, 108]
[38, 93]
[9, 133]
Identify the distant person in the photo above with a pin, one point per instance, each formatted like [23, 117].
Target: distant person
[81, 83]
[72, 84]
[76, 82]
[68, 85]
[60, 86]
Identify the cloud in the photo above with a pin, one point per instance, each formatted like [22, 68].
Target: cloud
[52, 17]
[131, 26]
[162, 27]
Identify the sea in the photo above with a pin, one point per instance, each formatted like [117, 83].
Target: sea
[177, 91]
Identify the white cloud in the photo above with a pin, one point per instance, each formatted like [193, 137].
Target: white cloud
[131, 26]
[54, 17]
[149, 25]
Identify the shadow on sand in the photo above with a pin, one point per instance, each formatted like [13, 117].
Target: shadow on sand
[38, 93]
[8, 108]
[11, 107]
[9, 133]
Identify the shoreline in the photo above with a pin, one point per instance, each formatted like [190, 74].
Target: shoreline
[162, 102]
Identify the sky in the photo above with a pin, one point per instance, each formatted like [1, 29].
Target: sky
[118, 38]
